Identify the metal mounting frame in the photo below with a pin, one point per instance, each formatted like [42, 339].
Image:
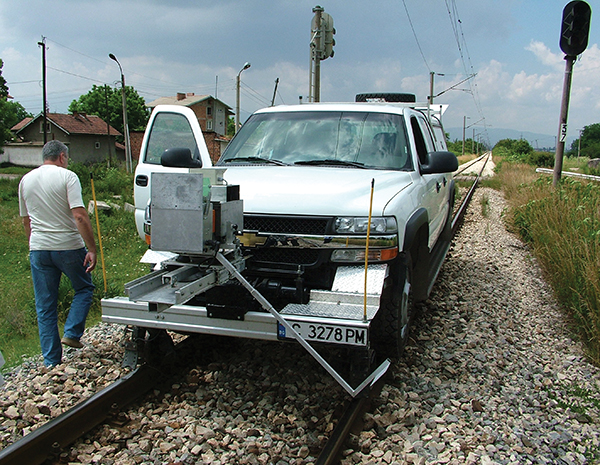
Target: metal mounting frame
[369, 381]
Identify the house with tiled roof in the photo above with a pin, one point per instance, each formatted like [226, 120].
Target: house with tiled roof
[212, 115]
[88, 137]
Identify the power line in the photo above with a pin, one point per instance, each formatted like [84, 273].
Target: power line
[456, 24]
[173, 85]
[77, 75]
[416, 38]
[255, 95]
[22, 82]
[79, 53]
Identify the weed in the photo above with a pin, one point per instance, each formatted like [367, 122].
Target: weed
[485, 206]
[562, 226]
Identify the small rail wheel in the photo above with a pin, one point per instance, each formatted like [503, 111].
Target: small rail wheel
[158, 347]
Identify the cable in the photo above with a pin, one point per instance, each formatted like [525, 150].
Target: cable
[254, 95]
[456, 24]
[76, 75]
[416, 38]
[75, 51]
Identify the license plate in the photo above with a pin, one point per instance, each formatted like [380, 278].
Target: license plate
[335, 334]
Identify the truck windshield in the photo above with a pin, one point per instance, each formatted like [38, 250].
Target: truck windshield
[350, 139]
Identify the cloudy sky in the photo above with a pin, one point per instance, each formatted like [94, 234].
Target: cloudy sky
[170, 46]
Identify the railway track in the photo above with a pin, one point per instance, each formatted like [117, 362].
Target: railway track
[45, 444]
[331, 452]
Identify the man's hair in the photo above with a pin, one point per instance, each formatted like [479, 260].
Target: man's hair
[53, 149]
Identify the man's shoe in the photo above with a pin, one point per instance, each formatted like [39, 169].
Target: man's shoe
[71, 342]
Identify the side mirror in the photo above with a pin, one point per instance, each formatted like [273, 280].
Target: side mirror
[179, 157]
[440, 162]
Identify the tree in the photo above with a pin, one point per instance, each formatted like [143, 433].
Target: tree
[471, 146]
[3, 86]
[590, 142]
[230, 126]
[106, 102]
[518, 150]
[10, 112]
[517, 146]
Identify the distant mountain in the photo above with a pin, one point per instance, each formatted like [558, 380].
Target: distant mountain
[537, 141]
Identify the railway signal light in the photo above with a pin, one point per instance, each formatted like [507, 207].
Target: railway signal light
[328, 31]
[575, 27]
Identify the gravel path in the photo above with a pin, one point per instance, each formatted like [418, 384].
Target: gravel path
[491, 376]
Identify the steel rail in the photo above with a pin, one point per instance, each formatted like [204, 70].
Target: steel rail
[353, 413]
[468, 164]
[63, 430]
[458, 217]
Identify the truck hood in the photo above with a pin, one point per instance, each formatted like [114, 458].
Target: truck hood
[305, 190]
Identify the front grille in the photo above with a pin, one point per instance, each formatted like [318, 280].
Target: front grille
[287, 225]
[306, 257]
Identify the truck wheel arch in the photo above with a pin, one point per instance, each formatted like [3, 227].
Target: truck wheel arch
[416, 243]
[418, 220]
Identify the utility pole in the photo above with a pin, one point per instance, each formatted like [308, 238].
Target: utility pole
[45, 103]
[321, 48]
[107, 124]
[275, 92]
[128, 160]
[314, 94]
[431, 74]
[464, 129]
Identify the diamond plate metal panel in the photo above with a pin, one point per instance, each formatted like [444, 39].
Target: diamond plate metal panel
[342, 311]
[351, 279]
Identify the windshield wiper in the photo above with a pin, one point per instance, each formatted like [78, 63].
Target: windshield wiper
[254, 160]
[354, 164]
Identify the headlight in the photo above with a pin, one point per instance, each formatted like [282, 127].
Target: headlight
[359, 225]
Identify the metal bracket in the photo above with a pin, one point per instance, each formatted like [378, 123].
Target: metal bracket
[130, 357]
[369, 381]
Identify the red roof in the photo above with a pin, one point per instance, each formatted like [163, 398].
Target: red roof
[21, 124]
[77, 123]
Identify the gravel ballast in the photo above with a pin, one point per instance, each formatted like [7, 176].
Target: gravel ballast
[491, 376]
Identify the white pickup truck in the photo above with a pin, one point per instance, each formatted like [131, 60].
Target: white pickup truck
[310, 177]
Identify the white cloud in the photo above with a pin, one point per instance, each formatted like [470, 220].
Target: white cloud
[545, 55]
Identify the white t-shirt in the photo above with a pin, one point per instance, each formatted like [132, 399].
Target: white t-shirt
[46, 195]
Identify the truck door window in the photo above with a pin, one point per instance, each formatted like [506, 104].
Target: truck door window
[169, 130]
[419, 140]
[427, 134]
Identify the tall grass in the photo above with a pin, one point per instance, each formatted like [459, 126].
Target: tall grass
[562, 225]
[121, 246]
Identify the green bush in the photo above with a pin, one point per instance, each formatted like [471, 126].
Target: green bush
[592, 171]
[108, 182]
[83, 172]
[541, 159]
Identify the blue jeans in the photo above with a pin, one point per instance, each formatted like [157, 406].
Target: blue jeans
[46, 270]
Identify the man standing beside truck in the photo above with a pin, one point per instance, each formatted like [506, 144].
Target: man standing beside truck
[58, 228]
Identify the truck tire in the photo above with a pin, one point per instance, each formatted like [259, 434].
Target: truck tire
[387, 97]
[392, 323]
